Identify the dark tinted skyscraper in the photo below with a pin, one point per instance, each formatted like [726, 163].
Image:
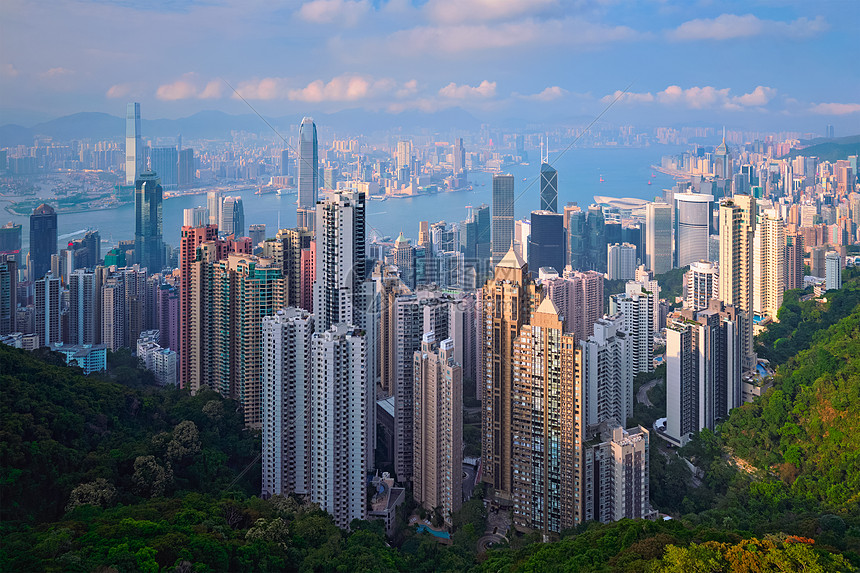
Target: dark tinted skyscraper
[308, 163]
[595, 235]
[43, 240]
[10, 239]
[548, 188]
[503, 215]
[148, 244]
[546, 242]
[165, 162]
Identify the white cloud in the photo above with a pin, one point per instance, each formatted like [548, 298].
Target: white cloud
[457, 39]
[629, 97]
[835, 108]
[342, 88]
[56, 73]
[548, 94]
[729, 26]
[188, 86]
[409, 88]
[454, 11]
[346, 12]
[9, 70]
[483, 90]
[119, 91]
[264, 89]
[696, 97]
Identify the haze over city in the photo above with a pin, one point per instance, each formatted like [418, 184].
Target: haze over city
[445, 285]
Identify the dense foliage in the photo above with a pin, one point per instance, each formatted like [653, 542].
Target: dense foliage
[109, 472]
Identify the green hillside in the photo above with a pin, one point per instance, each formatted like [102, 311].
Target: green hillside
[830, 149]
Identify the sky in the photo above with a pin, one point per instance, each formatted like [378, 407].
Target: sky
[766, 65]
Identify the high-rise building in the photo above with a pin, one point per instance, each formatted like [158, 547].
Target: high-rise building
[43, 240]
[508, 302]
[437, 471]
[344, 292]
[546, 425]
[47, 315]
[195, 217]
[833, 270]
[607, 374]
[287, 376]
[134, 152]
[503, 215]
[794, 252]
[703, 369]
[404, 155]
[10, 239]
[114, 315]
[459, 153]
[187, 171]
[693, 213]
[258, 234]
[658, 237]
[723, 160]
[244, 290]
[637, 307]
[8, 294]
[295, 251]
[768, 264]
[232, 217]
[702, 284]
[737, 232]
[620, 261]
[575, 219]
[617, 470]
[213, 204]
[338, 423]
[595, 239]
[308, 180]
[546, 241]
[85, 307]
[148, 243]
[164, 161]
[403, 255]
[579, 298]
[548, 188]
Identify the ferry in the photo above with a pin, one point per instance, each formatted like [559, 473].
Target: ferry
[285, 191]
[601, 178]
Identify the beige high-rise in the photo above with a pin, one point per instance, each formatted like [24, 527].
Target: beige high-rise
[437, 471]
[737, 232]
[769, 275]
[508, 301]
[547, 425]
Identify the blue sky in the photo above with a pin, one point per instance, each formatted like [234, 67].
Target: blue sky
[767, 65]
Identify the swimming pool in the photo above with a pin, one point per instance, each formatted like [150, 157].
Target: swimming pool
[762, 371]
[433, 532]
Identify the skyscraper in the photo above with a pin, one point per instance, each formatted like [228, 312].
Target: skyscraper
[232, 217]
[769, 264]
[636, 307]
[833, 270]
[595, 239]
[576, 256]
[47, 299]
[509, 299]
[794, 252]
[437, 472]
[692, 227]
[737, 232]
[43, 240]
[148, 244]
[403, 255]
[620, 261]
[8, 294]
[164, 161]
[607, 373]
[85, 307]
[658, 237]
[548, 188]
[546, 241]
[213, 204]
[10, 239]
[287, 374]
[503, 215]
[134, 161]
[723, 160]
[545, 424]
[703, 284]
[308, 165]
[339, 424]
[459, 153]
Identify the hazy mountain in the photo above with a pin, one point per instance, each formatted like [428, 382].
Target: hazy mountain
[218, 125]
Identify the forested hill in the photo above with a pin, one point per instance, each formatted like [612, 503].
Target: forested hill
[112, 473]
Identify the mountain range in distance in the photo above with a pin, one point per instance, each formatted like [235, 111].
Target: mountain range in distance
[98, 126]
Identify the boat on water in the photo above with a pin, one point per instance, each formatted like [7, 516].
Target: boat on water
[285, 191]
[601, 178]
[264, 191]
[525, 178]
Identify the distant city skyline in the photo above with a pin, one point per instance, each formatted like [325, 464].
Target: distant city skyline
[507, 60]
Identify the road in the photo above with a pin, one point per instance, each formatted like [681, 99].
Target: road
[642, 394]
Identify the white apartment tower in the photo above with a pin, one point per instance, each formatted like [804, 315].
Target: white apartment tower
[737, 232]
[607, 373]
[339, 399]
[769, 266]
[287, 380]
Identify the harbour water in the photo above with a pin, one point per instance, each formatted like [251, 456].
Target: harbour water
[625, 172]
